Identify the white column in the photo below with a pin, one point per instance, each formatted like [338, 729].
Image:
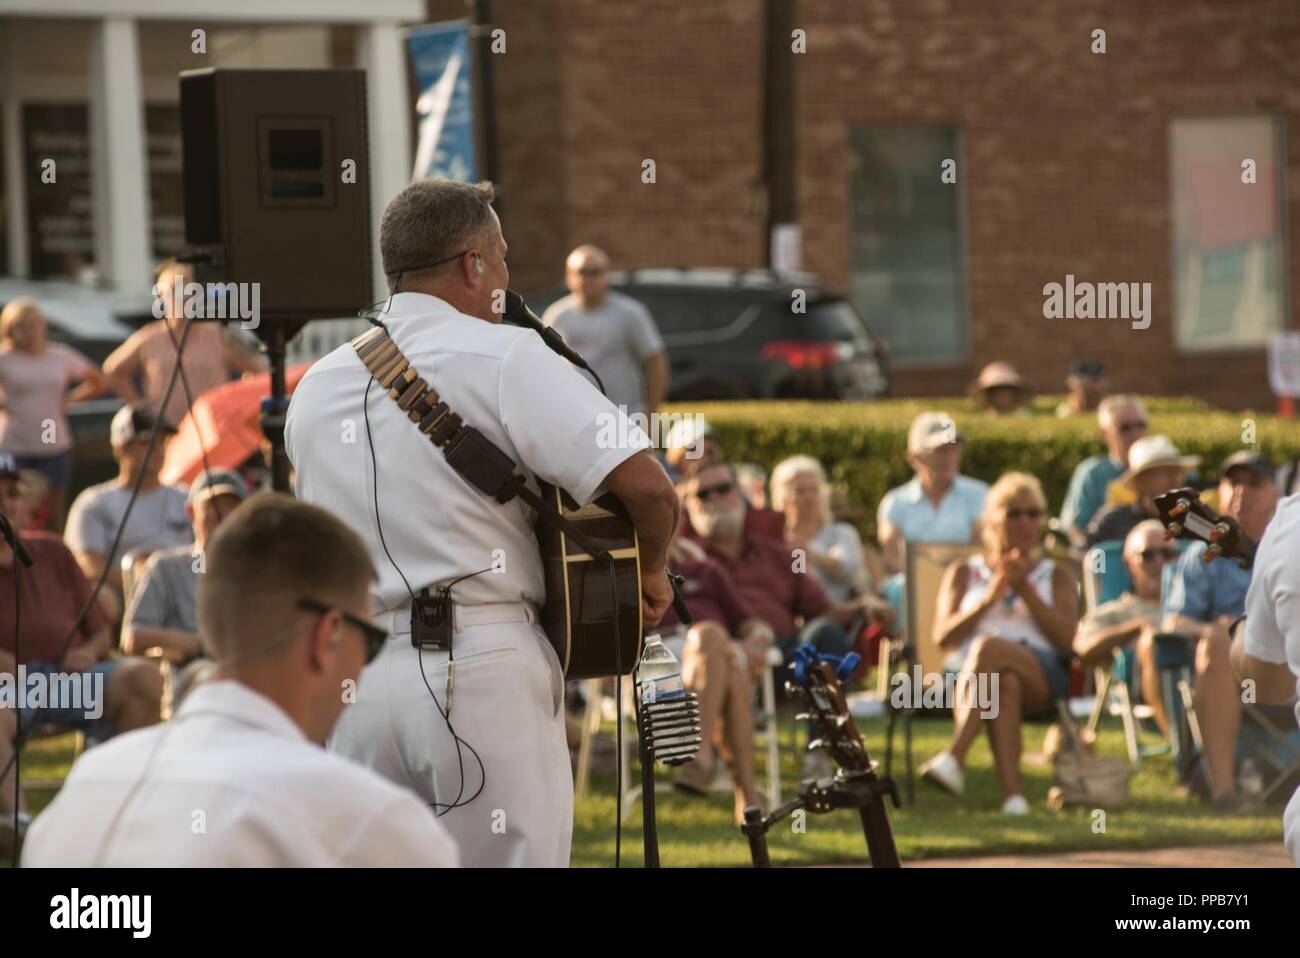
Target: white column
[15, 189]
[119, 174]
[381, 52]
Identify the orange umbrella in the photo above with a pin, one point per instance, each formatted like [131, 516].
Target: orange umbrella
[223, 423]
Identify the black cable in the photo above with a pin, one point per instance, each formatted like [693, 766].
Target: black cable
[446, 717]
[18, 712]
[618, 711]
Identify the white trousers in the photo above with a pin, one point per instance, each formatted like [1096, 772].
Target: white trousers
[507, 704]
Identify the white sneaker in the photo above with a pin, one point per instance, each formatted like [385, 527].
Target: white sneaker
[945, 771]
[1015, 805]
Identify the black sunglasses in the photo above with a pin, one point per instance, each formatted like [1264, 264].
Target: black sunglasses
[373, 636]
[1024, 513]
[708, 492]
[1167, 553]
[590, 271]
[1132, 426]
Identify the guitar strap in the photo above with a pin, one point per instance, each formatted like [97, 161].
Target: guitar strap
[470, 453]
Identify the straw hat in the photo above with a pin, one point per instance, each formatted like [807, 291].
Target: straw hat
[1151, 452]
[998, 374]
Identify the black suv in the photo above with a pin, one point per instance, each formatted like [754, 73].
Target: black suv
[735, 334]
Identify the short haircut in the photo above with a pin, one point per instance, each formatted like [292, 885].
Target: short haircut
[1107, 408]
[1135, 541]
[13, 312]
[785, 473]
[269, 553]
[718, 464]
[587, 249]
[432, 220]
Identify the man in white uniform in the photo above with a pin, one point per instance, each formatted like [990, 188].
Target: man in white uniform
[1266, 647]
[501, 782]
[239, 776]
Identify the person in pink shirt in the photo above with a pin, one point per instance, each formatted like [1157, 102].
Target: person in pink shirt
[147, 357]
[35, 377]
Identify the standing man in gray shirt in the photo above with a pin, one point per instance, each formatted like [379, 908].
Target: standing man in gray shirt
[614, 333]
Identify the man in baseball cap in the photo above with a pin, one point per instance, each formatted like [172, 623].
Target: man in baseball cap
[1085, 385]
[939, 504]
[155, 520]
[164, 606]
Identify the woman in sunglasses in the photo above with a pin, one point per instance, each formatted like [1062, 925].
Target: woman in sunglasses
[1006, 617]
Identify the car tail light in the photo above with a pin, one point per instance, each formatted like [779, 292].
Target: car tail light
[807, 355]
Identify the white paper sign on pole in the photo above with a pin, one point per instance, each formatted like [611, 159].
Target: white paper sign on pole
[1284, 364]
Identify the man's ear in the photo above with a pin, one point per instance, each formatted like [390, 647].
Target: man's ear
[322, 640]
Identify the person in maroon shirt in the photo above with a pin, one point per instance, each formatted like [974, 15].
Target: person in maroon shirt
[51, 594]
[770, 577]
[721, 669]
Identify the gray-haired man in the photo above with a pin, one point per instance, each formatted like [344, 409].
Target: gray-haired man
[476, 730]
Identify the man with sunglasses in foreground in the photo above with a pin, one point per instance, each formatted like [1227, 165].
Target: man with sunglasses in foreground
[239, 776]
[1132, 621]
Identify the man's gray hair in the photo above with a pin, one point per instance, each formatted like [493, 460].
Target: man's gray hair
[1112, 404]
[432, 221]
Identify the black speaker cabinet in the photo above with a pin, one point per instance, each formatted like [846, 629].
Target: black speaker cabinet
[270, 196]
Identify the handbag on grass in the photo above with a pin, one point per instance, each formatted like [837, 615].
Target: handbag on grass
[1082, 779]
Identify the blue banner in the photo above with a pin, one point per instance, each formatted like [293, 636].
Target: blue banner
[445, 142]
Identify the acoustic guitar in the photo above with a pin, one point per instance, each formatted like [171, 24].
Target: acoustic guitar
[1185, 516]
[590, 611]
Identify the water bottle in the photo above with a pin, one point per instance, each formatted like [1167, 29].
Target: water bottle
[660, 677]
[665, 704]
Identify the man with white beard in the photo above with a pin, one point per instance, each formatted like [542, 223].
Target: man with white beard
[771, 577]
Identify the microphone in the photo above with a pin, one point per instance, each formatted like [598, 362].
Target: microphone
[518, 314]
[15, 543]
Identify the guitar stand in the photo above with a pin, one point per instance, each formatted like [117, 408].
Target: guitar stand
[819, 796]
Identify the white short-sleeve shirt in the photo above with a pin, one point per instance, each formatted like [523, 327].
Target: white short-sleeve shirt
[1273, 618]
[503, 381]
[231, 781]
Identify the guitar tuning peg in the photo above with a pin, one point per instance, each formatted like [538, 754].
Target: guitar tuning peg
[1219, 531]
[1211, 553]
[1179, 507]
[841, 721]
[818, 743]
[1173, 530]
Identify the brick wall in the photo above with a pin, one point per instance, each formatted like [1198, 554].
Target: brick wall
[1065, 163]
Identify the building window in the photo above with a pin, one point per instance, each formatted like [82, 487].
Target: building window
[1229, 281]
[907, 256]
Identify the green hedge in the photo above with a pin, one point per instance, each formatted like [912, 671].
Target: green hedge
[862, 445]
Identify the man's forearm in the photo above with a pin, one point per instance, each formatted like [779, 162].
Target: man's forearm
[654, 520]
[138, 640]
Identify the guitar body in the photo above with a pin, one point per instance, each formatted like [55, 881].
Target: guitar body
[582, 608]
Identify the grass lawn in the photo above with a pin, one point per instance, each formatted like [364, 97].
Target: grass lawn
[699, 831]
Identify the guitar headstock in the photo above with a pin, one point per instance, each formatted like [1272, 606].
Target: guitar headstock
[817, 678]
[1185, 516]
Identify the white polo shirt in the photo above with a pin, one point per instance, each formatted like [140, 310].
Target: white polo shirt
[231, 781]
[1273, 618]
[503, 381]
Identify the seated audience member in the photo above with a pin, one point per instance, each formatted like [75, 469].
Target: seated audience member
[284, 609]
[1132, 620]
[1001, 390]
[753, 484]
[163, 611]
[1266, 646]
[157, 520]
[117, 694]
[1122, 421]
[833, 550]
[1154, 466]
[36, 377]
[1204, 600]
[1009, 612]
[1085, 384]
[939, 504]
[723, 655]
[690, 444]
[764, 573]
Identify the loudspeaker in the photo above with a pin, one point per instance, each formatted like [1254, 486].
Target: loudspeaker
[270, 195]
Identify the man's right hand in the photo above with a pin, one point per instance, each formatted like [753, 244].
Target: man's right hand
[656, 597]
